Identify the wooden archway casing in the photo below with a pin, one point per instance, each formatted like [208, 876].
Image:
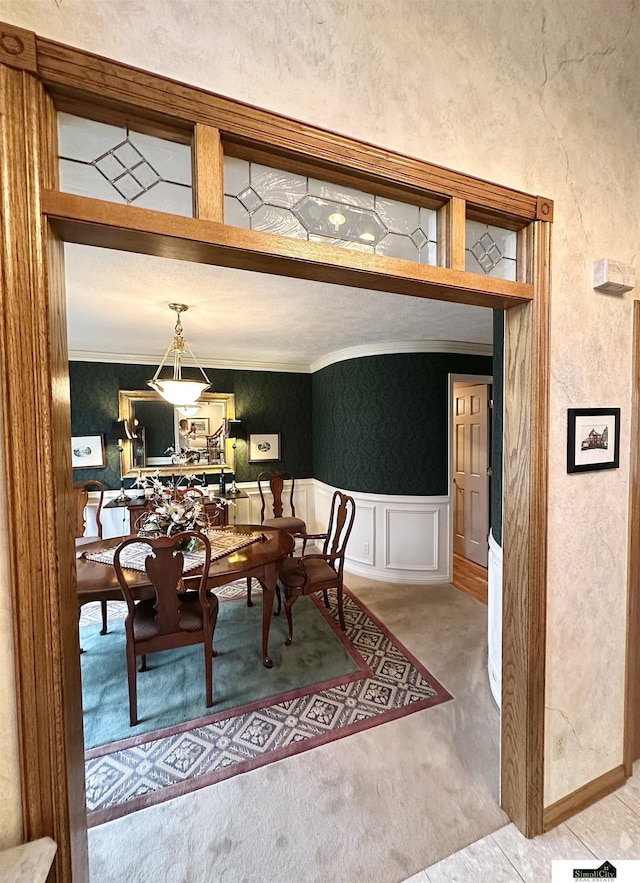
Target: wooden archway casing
[38, 76]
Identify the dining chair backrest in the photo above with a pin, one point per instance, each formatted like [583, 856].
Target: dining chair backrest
[182, 492]
[81, 491]
[341, 518]
[281, 486]
[174, 615]
[164, 565]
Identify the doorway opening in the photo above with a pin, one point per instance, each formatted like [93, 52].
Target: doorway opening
[49, 683]
[470, 405]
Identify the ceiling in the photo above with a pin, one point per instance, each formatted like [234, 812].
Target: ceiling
[117, 311]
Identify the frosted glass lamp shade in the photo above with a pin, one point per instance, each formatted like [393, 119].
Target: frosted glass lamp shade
[179, 392]
[189, 410]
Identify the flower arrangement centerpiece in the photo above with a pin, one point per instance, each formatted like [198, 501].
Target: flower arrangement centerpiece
[171, 512]
[169, 516]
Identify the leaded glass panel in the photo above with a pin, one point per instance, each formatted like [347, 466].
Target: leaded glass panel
[262, 198]
[491, 251]
[117, 164]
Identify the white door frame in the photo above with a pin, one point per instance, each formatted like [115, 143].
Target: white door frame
[458, 378]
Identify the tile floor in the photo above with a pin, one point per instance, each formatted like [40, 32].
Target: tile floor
[610, 829]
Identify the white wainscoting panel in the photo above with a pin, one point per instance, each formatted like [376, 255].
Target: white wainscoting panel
[362, 543]
[396, 539]
[412, 539]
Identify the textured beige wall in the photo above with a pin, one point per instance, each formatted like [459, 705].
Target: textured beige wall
[541, 95]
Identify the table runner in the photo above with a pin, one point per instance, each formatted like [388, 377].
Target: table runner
[222, 543]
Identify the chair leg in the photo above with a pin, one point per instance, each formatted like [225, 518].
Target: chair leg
[325, 596]
[208, 672]
[143, 665]
[341, 609]
[209, 653]
[133, 692]
[288, 604]
[103, 630]
[249, 601]
[279, 597]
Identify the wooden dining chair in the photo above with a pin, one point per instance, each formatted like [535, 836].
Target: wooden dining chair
[169, 619]
[276, 494]
[82, 489]
[320, 571]
[181, 492]
[280, 485]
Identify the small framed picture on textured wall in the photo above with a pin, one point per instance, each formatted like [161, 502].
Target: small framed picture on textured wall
[593, 439]
[264, 446]
[87, 451]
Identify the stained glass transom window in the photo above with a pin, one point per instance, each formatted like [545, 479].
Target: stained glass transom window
[262, 198]
[118, 164]
[491, 251]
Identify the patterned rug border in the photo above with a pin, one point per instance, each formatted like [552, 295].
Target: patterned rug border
[203, 780]
[196, 723]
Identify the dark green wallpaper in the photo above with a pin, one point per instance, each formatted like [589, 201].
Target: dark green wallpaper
[376, 425]
[380, 423]
[265, 402]
[498, 423]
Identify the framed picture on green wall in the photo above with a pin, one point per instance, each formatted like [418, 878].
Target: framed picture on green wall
[87, 451]
[264, 446]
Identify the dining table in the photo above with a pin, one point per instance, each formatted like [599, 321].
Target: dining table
[97, 581]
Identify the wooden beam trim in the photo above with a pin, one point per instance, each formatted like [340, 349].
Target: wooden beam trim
[88, 74]
[540, 249]
[456, 234]
[18, 48]
[632, 666]
[208, 174]
[110, 225]
[40, 531]
[525, 544]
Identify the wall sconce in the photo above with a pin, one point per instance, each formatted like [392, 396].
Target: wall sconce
[234, 431]
[121, 431]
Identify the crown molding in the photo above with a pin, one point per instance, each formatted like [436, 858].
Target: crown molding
[354, 352]
[403, 346]
[154, 361]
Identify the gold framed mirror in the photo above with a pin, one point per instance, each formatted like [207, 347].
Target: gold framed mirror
[175, 440]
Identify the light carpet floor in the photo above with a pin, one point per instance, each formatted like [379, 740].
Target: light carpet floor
[377, 806]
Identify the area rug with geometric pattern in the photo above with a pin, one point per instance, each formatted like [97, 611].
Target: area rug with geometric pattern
[389, 683]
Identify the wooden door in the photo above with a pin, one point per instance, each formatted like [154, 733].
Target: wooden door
[471, 482]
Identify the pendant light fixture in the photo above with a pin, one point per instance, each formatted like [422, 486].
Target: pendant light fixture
[177, 390]
[189, 410]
